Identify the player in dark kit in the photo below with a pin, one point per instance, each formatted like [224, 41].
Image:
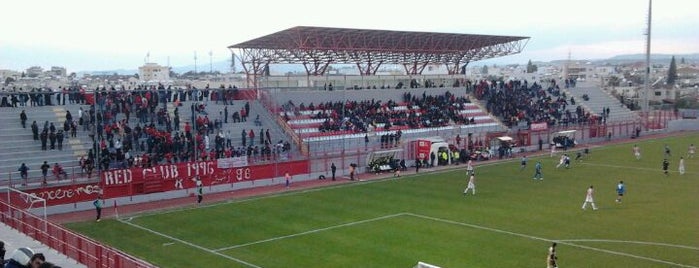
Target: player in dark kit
[666, 164]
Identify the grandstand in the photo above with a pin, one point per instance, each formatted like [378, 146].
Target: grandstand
[20, 147]
[600, 99]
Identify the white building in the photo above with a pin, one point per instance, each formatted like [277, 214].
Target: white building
[58, 71]
[35, 71]
[152, 72]
[4, 74]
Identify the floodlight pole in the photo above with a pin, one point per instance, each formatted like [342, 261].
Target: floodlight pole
[646, 104]
[97, 152]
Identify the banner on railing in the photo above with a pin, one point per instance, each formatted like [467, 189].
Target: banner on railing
[162, 178]
[538, 126]
[169, 177]
[232, 162]
[59, 195]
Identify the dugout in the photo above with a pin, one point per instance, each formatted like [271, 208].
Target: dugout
[380, 161]
[564, 139]
[503, 146]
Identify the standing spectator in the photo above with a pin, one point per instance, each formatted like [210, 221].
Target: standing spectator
[98, 203]
[352, 169]
[225, 114]
[589, 198]
[200, 189]
[59, 140]
[52, 139]
[44, 136]
[262, 137]
[44, 171]
[23, 118]
[23, 172]
[333, 169]
[287, 179]
[35, 131]
[251, 135]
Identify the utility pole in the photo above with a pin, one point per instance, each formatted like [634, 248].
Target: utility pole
[195, 62]
[211, 62]
[645, 106]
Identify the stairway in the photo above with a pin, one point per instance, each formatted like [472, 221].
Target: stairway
[600, 99]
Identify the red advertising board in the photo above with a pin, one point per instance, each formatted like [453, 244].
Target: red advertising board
[538, 126]
[59, 195]
[423, 148]
[162, 178]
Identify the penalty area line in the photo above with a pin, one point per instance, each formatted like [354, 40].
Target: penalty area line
[188, 243]
[632, 242]
[636, 168]
[310, 232]
[549, 240]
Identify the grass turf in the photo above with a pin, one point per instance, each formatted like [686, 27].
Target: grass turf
[510, 222]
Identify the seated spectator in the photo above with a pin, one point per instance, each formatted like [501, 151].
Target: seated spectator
[20, 258]
[58, 171]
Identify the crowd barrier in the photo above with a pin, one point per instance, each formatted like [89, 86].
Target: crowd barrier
[78, 247]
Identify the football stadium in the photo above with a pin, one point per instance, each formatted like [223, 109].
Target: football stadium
[428, 166]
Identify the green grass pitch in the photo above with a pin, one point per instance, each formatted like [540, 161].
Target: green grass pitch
[510, 222]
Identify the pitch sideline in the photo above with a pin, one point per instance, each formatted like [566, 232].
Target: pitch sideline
[188, 243]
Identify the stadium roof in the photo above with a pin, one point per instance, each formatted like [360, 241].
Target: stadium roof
[317, 47]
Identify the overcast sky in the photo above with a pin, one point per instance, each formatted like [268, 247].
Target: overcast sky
[101, 35]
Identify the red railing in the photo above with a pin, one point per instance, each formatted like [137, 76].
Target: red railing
[78, 247]
[35, 177]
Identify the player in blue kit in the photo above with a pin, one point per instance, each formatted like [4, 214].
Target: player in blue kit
[620, 190]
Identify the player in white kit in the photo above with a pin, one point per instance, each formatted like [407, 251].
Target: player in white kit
[471, 184]
[681, 168]
[469, 167]
[562, 161]
[589, 198]
[637, 152]
[692, 149]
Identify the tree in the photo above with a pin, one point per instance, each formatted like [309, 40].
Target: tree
[672, 72]
[484, 69]
[531, 68]
[614, 81]
[9, 80]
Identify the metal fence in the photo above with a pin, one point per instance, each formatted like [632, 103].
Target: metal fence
[78, 247]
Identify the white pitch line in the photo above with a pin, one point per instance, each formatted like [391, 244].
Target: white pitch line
[549, 240]
[631, 242]
[310, 232]
[189, 244]
[323, 188]
[317, 189]
[635, 168]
